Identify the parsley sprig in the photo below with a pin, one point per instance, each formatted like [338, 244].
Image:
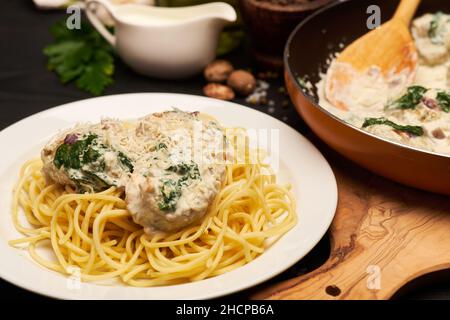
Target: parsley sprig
[82, 56]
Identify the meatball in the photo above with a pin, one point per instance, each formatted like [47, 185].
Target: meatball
[169, 190]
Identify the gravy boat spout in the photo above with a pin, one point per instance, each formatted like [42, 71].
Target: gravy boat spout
[164, 42]
[219, 11]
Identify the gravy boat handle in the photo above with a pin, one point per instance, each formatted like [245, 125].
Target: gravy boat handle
[96, 21]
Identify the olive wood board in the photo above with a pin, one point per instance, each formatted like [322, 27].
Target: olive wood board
[383, 236]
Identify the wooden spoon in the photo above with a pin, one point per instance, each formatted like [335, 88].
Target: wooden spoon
[390, 47]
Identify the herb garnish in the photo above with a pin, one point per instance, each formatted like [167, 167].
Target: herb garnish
[160, 146]
[74, 156]
[411, 98]
[84, 164]
[81, 55]
[90, 179]
[124, 160]
[414, 130]
[170, 192]
[443, 99]
[191, 170]
[171, 189]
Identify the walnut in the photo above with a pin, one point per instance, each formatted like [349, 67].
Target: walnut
[243, 82]
[218, 91]
[218, 71]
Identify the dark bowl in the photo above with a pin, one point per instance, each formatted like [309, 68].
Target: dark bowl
[270, 25]
[306, 54]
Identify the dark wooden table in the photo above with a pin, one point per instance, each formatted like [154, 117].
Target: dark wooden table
[27, 87]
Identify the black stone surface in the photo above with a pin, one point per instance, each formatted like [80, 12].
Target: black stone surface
[27, 87]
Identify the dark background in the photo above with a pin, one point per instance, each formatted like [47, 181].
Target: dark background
[26, 87]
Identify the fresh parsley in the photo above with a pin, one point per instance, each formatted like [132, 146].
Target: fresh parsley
[443, 99]
[81, 56]
[414, 130]
[410, 99]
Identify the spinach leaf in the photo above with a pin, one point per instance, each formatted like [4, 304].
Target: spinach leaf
[90, 155]
[124, 160]
[83, 161]
[61, 156]
[184, 169]
[411, 99]
[74, 156]
[161, 146]
[171, 189]
[443, 100]
[414, 130]
[170, 192]
[90, 179]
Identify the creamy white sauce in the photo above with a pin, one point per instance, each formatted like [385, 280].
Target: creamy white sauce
[371, 93]
[178, 164]
[190, 142]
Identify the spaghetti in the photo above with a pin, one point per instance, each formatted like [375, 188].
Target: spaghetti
[95, 233]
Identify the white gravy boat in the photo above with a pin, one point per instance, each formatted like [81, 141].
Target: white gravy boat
[164, 42]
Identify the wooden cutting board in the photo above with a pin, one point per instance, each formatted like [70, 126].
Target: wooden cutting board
[383, 236]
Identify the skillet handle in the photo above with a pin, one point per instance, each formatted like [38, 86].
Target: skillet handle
[91, 5]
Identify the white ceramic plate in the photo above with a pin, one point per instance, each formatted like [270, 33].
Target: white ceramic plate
[301, 164]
